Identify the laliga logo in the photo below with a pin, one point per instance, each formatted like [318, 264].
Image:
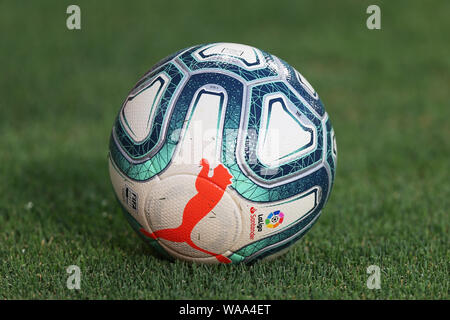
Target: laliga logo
[274, 219]
[210, 191]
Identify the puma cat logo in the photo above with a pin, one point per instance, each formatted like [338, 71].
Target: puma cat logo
[210, 191]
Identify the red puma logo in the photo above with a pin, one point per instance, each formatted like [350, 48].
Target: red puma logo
[210, 191]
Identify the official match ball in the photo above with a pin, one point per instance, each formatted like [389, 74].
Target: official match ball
[222, 153]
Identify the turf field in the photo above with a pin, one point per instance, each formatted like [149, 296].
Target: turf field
[386, 91]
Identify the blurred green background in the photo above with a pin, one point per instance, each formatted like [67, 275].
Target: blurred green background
[387, 94]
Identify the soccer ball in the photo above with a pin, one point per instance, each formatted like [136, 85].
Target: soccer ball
[222, 153]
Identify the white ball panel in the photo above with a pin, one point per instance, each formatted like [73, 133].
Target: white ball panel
[305, 84]
[245, 56]
[285, 134]
[139, 111]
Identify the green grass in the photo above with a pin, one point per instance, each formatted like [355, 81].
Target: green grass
[387, 93]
